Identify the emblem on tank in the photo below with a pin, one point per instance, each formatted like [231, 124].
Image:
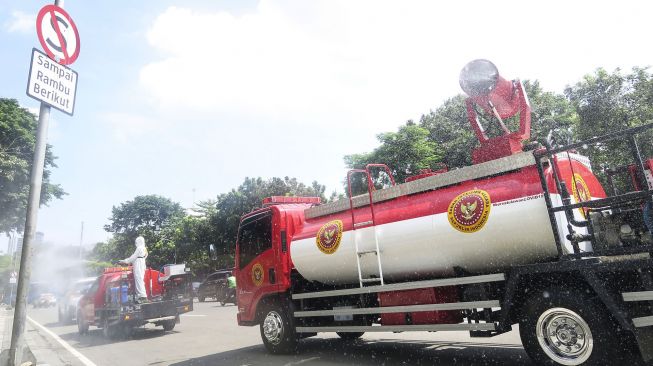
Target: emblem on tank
[328, 237]
[469, 211]
[257, 274]
[580, 191]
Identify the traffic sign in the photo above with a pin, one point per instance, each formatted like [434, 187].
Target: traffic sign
[58, 34]
[51, 83]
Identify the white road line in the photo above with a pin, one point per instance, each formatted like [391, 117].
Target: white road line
[65, 344]
[302, 361]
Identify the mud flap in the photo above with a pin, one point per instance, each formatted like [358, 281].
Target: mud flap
[644, 337]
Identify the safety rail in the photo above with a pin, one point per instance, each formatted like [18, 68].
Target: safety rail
[547, 159]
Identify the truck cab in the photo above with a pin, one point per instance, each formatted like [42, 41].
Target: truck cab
[263, 262]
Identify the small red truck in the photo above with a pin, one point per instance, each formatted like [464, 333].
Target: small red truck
[109, 303]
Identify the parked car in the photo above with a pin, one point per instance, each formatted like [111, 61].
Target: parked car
[68, 303]
[213, 285]
[45, 300]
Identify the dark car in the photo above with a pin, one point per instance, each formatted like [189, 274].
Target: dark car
[213, 285]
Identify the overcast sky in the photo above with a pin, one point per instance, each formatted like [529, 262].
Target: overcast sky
[197, 95]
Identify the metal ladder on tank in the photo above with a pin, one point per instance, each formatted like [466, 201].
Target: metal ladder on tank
[376, 251]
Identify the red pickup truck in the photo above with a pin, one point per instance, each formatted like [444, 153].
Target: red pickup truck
[109, 303]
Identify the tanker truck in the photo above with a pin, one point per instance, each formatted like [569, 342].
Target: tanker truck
[527, 235]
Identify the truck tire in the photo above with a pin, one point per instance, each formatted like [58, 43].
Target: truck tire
[201, 298]
[82, 325]
[568, 327]
[168, 325]
[277, 330]
[126, 331]
[347, 336]
[110, 331]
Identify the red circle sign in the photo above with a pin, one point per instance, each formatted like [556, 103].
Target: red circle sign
[58, 34]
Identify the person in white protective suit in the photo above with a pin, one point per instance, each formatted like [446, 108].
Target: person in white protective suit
[137, 260]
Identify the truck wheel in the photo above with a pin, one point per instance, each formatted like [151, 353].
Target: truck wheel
[277, 331]
[126, 331]
[350, 336]
[82, 326]
[201, 298]
[109, 331]
[168, 325]
[563, 327]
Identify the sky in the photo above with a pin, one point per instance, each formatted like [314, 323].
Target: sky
[185, 99]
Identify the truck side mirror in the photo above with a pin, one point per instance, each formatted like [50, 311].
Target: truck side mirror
[213, 253]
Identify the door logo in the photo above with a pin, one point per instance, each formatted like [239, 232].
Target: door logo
[258, 275]
[469, 211]
[580, 191]
[328, 237]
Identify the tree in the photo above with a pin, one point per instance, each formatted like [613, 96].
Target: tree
[148, 216]
[406, 152]
[17, 140]
[444, 135]
[448, 127]
[231, 206]
[609, 102]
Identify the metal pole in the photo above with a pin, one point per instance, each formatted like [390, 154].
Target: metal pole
[36, 177]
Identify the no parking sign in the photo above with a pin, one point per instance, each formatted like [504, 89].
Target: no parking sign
[58, 34]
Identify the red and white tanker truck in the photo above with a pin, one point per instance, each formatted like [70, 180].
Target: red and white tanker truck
[523, 236]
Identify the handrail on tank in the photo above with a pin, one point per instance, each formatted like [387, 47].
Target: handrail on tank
[644, 194]
[351, 196]
[385, 167]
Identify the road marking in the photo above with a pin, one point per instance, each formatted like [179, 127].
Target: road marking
[192, 315]
[65, 344]
[302, 361]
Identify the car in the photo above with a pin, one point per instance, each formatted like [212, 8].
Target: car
[68, 303]
[45, 300]
[196, 286]
[213, 284]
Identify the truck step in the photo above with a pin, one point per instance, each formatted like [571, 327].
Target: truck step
[368, 280]
[399, 328]
[403, 286]
[368, 252]
[401, 309]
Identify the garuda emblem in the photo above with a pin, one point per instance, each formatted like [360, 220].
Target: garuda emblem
[329, 236]
[469, 211]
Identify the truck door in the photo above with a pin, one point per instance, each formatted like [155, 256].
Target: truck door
[257, 262]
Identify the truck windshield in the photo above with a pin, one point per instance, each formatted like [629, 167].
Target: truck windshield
[254, 237]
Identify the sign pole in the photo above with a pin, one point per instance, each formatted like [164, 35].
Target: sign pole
[25, 271]
[17, 347]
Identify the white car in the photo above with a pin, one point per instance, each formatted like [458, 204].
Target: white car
[68, 303]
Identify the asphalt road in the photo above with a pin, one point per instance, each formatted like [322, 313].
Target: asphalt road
[210, 336]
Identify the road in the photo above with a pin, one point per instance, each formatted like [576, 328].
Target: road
[210, 336]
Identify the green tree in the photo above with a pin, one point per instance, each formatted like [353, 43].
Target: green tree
[406, 152]
[17, 140]
[230, 207]
[609, 102]
[149, 216]
[449, 127]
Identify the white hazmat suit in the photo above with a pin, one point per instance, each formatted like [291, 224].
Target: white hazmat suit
[137, 260]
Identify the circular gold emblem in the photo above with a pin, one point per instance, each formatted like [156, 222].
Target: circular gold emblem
[580, 191]
[469, 211]
[257, 274]
[328, 237]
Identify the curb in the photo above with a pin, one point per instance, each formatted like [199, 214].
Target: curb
[6, 319]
